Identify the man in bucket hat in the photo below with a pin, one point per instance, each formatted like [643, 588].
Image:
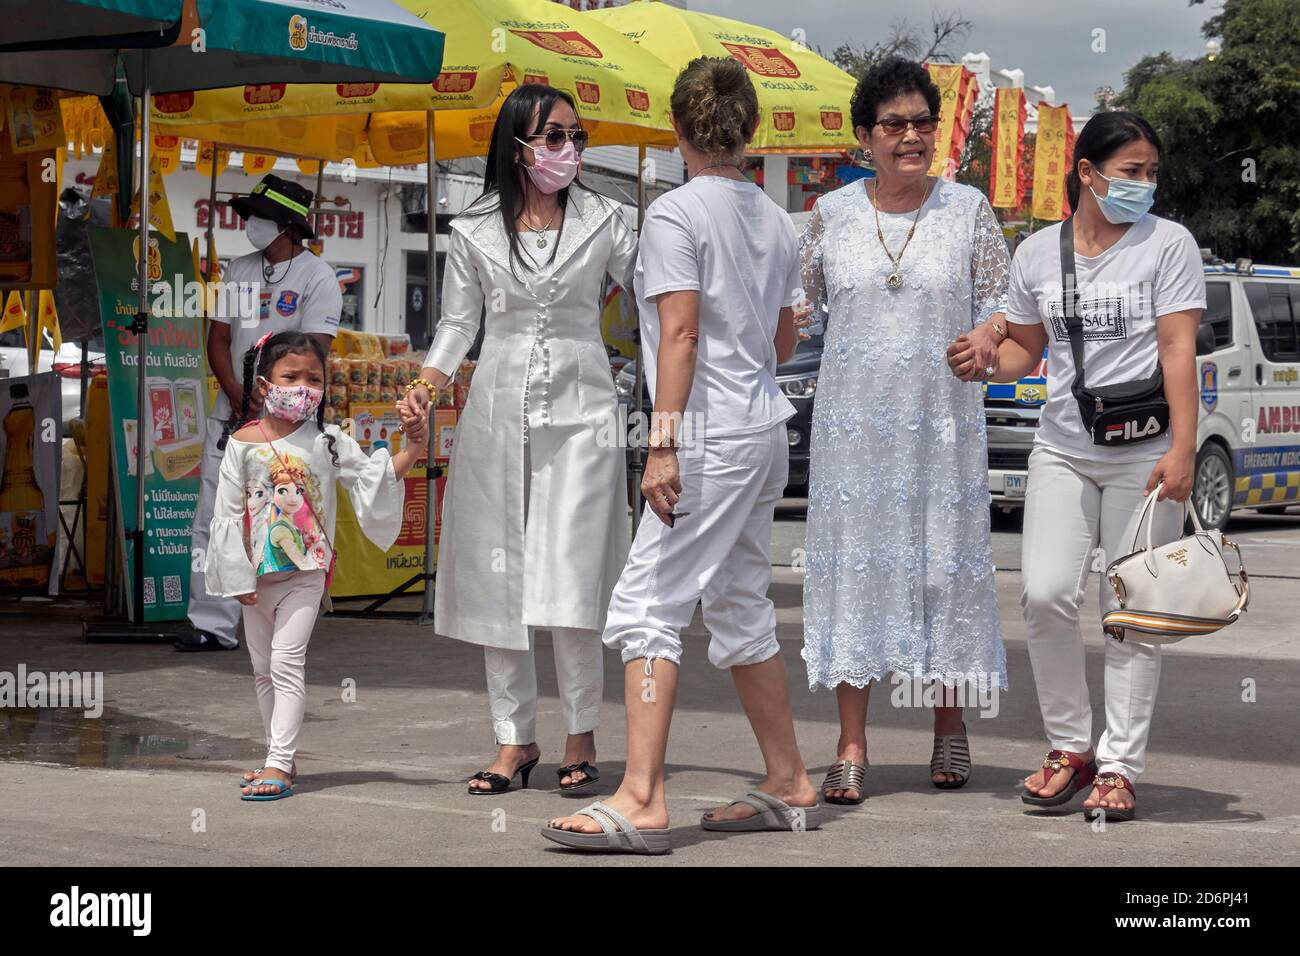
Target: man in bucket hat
[278, 287]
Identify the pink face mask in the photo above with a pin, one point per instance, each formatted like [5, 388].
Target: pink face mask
[552, 170]
[292, 403]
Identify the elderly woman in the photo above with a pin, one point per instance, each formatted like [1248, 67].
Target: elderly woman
[899, 562]
[716, 278]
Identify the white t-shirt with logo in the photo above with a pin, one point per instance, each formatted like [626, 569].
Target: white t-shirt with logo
[730, 242]
[303, 294]
[1154, 269]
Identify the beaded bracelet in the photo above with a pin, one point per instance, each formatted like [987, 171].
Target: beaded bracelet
[417, 382]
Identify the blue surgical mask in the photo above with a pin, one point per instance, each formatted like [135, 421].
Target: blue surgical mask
[1127, 200]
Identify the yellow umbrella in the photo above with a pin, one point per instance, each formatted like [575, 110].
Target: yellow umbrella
[804, 99]
[621, 89]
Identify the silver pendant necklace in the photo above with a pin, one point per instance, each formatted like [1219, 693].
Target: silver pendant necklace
[540, 233]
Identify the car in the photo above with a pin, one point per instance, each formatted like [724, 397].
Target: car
[66, 362]
[1248, 426]
[797, 378]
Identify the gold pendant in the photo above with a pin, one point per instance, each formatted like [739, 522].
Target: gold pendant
[895, 280]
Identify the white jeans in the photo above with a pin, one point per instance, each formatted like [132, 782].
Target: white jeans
[512, 685]
[216, 615]
[720, 553]
[277, 629]
[1071, 506]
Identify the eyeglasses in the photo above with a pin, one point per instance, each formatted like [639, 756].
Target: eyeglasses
[895, 125]
[555, 137]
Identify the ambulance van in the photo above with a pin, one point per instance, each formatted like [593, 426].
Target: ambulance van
[1248, 431]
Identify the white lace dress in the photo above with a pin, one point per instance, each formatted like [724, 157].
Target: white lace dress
[899, 561]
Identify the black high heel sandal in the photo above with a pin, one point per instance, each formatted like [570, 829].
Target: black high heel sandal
[592, 775]
[499, 782]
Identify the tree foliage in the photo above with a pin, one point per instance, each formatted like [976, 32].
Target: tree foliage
[1230, 126]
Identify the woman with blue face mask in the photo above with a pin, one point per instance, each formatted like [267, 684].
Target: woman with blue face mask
[1116, 293]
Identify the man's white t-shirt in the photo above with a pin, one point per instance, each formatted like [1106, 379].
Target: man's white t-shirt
[1154, 269]
[303, 294]
[730, 242]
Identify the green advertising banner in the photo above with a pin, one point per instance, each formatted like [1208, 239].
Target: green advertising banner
[174, 421]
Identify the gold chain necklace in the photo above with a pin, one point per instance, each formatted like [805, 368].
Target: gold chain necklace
[895, 279]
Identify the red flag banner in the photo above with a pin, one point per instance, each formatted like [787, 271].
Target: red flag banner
[1052, 157]
[1005, 187]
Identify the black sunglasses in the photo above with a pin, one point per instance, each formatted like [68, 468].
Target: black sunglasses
[896, 125]
[555, 137]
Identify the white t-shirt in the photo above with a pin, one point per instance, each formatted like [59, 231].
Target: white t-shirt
[1154, 269]
[730, 242]
[303, 294]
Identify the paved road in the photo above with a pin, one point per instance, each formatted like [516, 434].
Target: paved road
[1270, 543]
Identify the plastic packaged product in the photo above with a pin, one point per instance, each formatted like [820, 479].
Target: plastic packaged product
[399, 344]
[337, 396]
[338, 370]
[356, 371]
[374, 371]
[388, 373]
[356, 393]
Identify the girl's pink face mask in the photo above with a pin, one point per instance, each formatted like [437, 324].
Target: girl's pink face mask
[292, 403]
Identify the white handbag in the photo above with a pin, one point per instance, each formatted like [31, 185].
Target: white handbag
[1181, 589]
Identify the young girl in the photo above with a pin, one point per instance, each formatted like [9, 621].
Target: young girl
[274, 553]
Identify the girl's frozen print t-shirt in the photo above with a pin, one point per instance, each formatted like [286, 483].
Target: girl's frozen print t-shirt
[282, 498]
[271, 502]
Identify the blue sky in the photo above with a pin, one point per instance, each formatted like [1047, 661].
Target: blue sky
[1050, 40]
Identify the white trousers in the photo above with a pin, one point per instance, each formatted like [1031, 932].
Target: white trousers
[1072, 507]
[512, 685]
[277, 629]
[216, 615]
[719, 554]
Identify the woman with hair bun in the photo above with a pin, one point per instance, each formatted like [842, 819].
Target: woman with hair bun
[716, 277]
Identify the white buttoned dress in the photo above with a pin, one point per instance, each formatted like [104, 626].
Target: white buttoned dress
[535, 516]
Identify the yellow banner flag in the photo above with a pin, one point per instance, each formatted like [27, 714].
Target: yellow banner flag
[1054, 145]
[955, 103]
[106, 175]
[14, 315]
[49, 320]
[1008, 148]
[168, 150]
[209, 154]
[258, 164]
[160, 213]
[34, 119]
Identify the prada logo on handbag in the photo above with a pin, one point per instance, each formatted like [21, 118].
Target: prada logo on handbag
[1180, 556]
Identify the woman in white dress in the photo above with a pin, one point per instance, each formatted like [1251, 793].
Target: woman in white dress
[535, 522]
[899, 562]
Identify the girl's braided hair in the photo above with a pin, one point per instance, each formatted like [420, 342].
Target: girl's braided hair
[259, 362]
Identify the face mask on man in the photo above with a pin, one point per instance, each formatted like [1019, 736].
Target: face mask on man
[1126, 200]
[262, 232]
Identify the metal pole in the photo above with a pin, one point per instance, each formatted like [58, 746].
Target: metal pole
[430, 321]
[142, 427]
[638, 380]
[212, 219]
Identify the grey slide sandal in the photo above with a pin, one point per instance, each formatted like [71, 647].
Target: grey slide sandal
[617, 835]
[772, 814]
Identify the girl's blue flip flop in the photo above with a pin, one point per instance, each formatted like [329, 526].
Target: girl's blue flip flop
[283, 790]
